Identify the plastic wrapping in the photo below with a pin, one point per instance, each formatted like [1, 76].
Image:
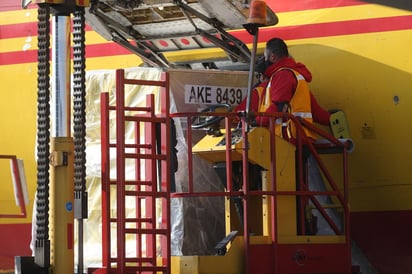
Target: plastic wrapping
[97, 82]
[203, 218]
[197, 223]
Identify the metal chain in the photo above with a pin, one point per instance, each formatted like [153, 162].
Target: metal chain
[79, 101]
[42, 248]
[79, 126]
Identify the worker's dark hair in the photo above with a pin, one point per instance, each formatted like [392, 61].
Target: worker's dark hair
[278, 47]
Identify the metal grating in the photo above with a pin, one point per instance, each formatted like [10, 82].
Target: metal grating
[150, 28]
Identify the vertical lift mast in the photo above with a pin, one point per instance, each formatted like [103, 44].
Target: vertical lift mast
[60, 192]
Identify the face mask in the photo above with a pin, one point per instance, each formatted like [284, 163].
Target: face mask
[268, 63]
[260, 65]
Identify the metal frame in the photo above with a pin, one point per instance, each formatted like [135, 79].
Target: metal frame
[272, 258]
[20, 198]
[148, 187]
[128, 37]
[275, 257]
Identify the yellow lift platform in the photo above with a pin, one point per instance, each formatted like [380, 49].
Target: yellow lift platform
[271, 197]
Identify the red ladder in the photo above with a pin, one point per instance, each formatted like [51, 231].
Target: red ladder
[149, 227]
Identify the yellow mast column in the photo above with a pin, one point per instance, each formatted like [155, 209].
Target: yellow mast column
[61, 204]
[62, 149]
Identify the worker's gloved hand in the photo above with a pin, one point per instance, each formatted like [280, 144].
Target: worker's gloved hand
[237, 121]
[251, 119]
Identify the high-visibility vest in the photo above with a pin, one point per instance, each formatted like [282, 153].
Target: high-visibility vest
[260, 90]
[299, 105]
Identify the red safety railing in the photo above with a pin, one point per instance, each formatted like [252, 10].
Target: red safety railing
[151, 251]
[329, 145]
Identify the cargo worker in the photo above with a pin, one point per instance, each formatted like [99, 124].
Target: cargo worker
[287, 87]
[282, 86]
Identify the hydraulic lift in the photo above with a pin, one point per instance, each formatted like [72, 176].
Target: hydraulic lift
[61, 190]
[60, 197]
[277, 206]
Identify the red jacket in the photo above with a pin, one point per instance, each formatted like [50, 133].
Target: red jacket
[283, 86]
[254, 99]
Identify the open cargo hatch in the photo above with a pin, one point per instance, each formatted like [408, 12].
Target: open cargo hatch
[150, 28]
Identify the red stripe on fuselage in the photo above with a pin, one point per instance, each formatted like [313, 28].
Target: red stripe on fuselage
[14, 241]
[30, 56]
[385, 238]
[296, 5]
[275, 5]
[362, 26]
[331, 29]
[18, 30]
[22, 30]
[11, 5]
